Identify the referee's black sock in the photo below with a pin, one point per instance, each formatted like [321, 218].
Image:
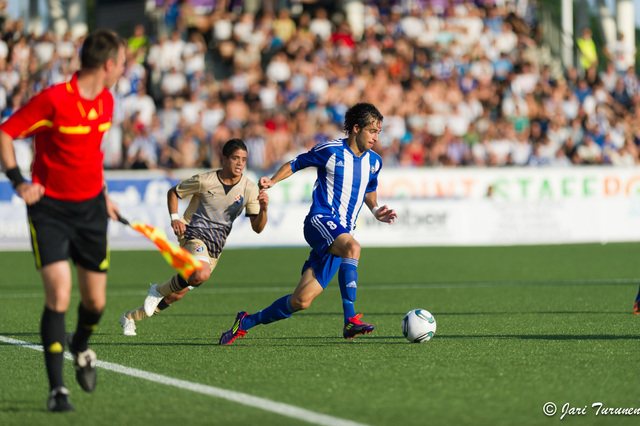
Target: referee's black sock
[52, 333]
[87, 322]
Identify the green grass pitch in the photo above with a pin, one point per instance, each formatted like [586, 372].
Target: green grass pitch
[517, 327]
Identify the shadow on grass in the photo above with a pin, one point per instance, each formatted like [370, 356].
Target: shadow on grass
[535, 313]
[21, 406]
[18, 334]
[545, 336]
[394, 340]
[401, 314]
[364, 339]
[303, 341]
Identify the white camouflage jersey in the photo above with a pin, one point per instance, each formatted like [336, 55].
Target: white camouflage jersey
[212, 210]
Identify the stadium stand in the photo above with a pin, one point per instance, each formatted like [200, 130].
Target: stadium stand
[460, 83]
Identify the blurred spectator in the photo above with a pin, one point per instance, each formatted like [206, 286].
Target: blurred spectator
[143, 151]
[174, 83]
[589, 151]
[193, 55]
[112, 144]
[283, 26]
[169, 117]
[320, 25]
[20, 54]
[134, 74]
[140, 105]
[66, 48]
[138, 43]
[173, 49]
[278, 69]
[620, 54]
[537, 159]
[588, 54]
[192, 109]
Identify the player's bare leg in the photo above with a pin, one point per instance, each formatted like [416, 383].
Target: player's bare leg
[307, 290]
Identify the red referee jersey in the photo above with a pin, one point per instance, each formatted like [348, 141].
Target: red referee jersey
[68, 133]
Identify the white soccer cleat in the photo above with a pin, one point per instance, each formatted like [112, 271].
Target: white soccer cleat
[128, 326]
[152, 300]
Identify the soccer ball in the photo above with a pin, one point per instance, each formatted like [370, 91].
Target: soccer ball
[418, 326]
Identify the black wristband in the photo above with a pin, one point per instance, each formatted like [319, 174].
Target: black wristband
[15, 177]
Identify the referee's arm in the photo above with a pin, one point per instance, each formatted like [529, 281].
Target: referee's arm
[30, 193]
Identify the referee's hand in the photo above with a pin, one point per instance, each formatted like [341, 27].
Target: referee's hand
[112, 209]
[30, 192]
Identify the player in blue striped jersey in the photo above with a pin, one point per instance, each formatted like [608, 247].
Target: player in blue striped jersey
[347, 177]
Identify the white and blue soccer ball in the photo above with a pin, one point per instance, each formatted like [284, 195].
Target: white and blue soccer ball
[418, 326]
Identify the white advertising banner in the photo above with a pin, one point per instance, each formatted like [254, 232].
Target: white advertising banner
[436, 207]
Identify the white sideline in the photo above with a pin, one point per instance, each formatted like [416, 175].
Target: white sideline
[239, 397]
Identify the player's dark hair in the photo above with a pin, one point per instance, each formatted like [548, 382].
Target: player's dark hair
[361, 114]
[232, 145]
[100, 46]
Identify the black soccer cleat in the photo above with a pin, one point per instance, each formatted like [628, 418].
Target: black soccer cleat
[85, 364]
[59, 400]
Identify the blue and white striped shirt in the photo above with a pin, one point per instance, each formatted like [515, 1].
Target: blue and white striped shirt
[343, 179]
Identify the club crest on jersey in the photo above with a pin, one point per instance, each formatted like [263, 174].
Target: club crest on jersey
[239, 199]
[375, 167]
[199, 249]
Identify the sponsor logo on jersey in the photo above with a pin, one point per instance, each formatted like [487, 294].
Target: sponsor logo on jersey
[339, 163]
[239, 199]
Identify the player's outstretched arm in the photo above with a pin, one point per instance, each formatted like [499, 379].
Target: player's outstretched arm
[384, 213]
[259, 221]
[283, 172]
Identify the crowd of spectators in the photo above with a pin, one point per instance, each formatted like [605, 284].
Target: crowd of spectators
[460, 83]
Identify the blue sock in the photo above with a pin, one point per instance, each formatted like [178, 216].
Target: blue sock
[278, 310]
[348, 280]
[638, 296]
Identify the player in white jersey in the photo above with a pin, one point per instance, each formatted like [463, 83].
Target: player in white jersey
[347, 177]
[217, 199]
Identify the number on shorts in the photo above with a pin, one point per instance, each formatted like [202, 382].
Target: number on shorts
[331, 225]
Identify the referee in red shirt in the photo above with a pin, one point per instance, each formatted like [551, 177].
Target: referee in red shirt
[67, 203]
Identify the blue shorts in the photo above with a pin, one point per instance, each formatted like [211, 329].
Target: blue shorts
[320, 231]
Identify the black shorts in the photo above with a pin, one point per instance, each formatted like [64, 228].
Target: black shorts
[65, 229]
